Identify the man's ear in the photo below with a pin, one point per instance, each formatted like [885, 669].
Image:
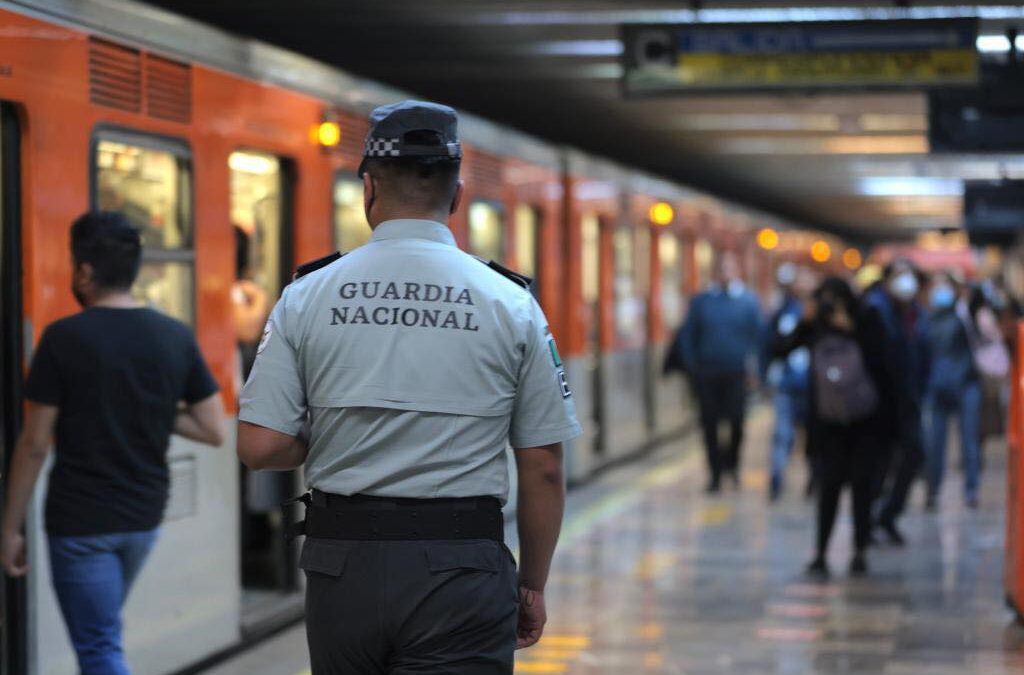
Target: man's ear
[457, 199]
[369, 194]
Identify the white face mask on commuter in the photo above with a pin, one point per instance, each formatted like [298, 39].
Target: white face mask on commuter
[904, 286]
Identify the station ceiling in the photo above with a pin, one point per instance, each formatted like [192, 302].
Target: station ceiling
[853, 163]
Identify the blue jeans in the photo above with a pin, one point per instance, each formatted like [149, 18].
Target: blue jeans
[92, 576]
[966, 404]
[790, 411]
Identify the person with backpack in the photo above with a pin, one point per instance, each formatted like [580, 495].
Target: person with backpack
[954, 388]
[850, 394]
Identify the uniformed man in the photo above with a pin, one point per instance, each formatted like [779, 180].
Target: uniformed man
[412, 364]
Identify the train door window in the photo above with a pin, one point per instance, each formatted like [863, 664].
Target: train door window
[704, 257]
[670, 261]
[149, 181]
[486, 231]
[350, 227]
[628, 313]
[527, 240]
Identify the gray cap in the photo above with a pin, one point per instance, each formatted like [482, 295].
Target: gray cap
[389, 125]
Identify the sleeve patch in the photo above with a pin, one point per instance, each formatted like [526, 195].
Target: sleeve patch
[555, 356]
[564, 384]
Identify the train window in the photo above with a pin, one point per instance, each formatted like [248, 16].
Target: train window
[527, 230]
[350, 227]
[486, 231]
[590, 260]
[628, 308]
[149, 181]
[671, 280]
[256, 214]
[704, 257]
[149, 186]
[167, 285]
[643, 261]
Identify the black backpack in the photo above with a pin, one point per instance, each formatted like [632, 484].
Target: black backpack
[843, 389]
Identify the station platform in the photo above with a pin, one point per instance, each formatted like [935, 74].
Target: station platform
[653, 576]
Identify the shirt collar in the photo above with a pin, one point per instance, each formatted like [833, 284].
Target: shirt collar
[409, 228]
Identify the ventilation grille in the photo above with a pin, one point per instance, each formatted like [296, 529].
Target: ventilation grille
[485, 171]
[168, 90]
[115, 76]
[126, 79]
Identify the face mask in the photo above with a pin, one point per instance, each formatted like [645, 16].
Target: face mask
[943, 297]
[734, 288]
[904, 286]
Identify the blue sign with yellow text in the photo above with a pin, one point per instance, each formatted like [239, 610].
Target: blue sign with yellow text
[833, 55]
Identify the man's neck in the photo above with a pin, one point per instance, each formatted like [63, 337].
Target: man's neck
[116, 299]
[434, 217]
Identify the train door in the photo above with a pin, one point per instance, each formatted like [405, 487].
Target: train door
[260, 207]
[13, 606]
[590, 283]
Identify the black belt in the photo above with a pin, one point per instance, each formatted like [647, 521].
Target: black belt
[362, 517]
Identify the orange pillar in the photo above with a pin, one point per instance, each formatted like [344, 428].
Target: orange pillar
[1014, 569]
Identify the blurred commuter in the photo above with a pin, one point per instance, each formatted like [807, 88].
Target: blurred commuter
[405, 563]
[788, 375]
[719, 348]
[992, 359]
[905, 323]
[850, 389]
[953, 389]
[110, 384]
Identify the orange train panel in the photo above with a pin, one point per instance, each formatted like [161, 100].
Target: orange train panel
[1014, 569]
[48, 82]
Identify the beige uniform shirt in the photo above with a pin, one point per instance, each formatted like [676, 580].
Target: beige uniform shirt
[415, 364]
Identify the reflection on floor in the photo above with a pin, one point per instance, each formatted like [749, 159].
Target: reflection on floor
[654, 577]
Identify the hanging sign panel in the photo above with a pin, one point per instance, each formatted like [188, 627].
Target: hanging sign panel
[807, 56]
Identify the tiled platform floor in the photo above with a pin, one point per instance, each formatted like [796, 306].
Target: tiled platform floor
[652, 577]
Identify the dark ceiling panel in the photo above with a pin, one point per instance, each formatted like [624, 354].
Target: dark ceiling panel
[550, 67]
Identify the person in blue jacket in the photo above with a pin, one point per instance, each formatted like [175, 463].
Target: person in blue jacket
[905, 321]
[954, 388]
[719, 344]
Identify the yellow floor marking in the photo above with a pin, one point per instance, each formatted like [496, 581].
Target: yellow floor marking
[650, 631]
[552, 654]
[652, 564]
[654, 660]
[713, 515]
[570, 641]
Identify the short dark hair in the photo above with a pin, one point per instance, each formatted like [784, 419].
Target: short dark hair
[110, 244]
[424, 181]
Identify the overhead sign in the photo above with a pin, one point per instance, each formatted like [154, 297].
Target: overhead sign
[834, 55]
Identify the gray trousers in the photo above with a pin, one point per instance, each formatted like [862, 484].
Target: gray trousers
[403, 607]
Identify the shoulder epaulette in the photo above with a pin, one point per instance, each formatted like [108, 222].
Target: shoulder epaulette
[517, 278]
[313, 265]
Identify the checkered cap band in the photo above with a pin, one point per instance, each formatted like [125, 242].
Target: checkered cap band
[382, 147]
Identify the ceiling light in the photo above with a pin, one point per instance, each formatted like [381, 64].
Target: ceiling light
[661, 213]
[742, 15]
[574, 48]
[821, 251]
[910, 186]
[754, 122]
[997, 44]
[879, 122]
[837, 145]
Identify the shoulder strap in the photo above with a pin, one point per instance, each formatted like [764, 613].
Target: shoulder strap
[519, 279]
[313, 265]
